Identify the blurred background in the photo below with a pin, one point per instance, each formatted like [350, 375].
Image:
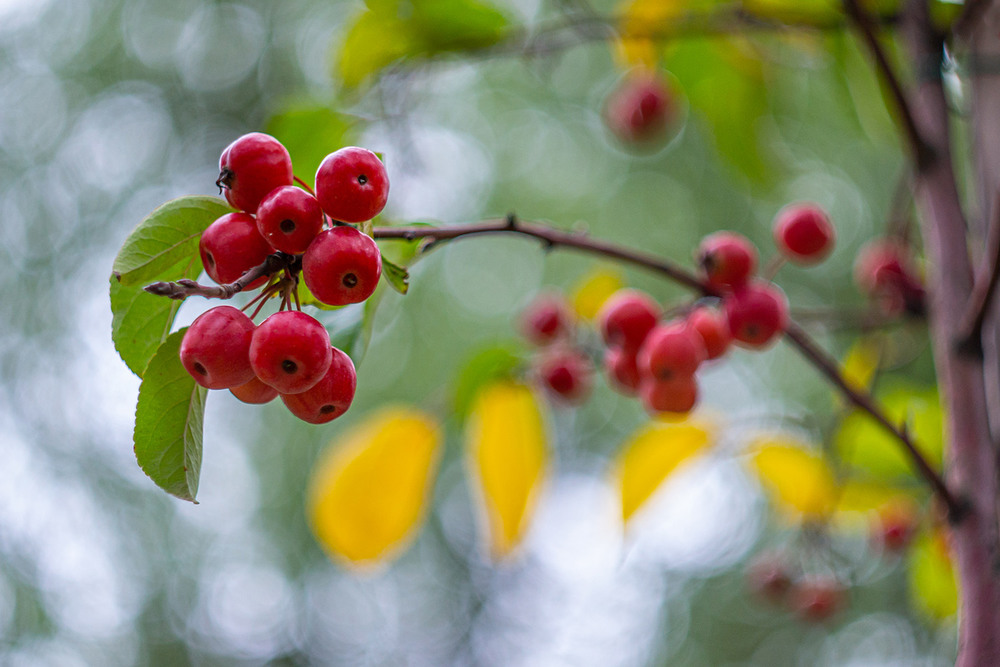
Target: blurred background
[108, 109]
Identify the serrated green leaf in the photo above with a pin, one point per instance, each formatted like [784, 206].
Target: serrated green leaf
[168, 236]
[141, 321]
[168, 422]
[309, 133]
[482, 368]
[397, 276]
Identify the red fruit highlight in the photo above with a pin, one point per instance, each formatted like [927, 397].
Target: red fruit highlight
[352, 184]
[251, 167]
[713, 327]
[757, 314]
[254, 391]
[671, 350]
[547, 319]
[330, 397]
[342, 266]
[727, 259]
[216, 348]
[231, 246]
[627, 317]
[290, 351]
[804, 233]
[289, 218]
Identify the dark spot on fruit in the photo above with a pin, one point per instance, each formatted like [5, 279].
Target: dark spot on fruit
[327, 409]
[211, 260]
[362, 179]
[199, 369]
[287, 226]
[350, 280]
[289, 366]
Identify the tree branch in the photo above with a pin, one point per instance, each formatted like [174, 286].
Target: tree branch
[923, 154]
[970, 339]
[184, 288]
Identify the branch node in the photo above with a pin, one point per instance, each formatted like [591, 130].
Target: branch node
[511, 221]
[959, 511]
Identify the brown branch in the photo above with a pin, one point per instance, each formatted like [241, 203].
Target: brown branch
[970, 339]
[972, 11]
[923, 154]
[184, 288]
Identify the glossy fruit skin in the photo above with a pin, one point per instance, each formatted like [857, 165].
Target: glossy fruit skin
[254, 391]
[727, 259]
[251, 167]
[678, 395]
[712, 326]
[671, 350]
[565, 373]
[803, 233]
[352, 185]
[816, 599]
[642, 108]
[231, 246]
[627, 317]
[289, 218]
[330, 397]
[290, 351]
[546, 319]
[216, 348]
[622, 370]
[757, 314]
[342, 266]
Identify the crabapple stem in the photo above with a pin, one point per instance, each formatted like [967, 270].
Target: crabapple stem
[305, 186]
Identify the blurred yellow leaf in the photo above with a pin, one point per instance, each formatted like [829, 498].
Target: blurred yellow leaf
[374, 40]
[859, 500]
[798, 481]
[861, 362]
[593, 289]
[932, 577]
[507, 451]
[651, 454]
[369, 492]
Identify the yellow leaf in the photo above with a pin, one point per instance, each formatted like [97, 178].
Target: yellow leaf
[651, 454]
[798, 481]
[507, 451]
[861, 362]
[368, 493]
[591, 291]
[932, 577]
[859, 500]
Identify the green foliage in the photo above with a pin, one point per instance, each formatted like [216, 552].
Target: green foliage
[308, 132]
[484, 367]
[397, 276]
[168, 236]
[168, 422]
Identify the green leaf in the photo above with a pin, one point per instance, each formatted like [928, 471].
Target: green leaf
[375, 40]
[932, 577]
[397, 276]
[866, 445]
[448, 25]
[141, 321]
[168, 236]
[482, 368]
[168, 422]
[309, 133]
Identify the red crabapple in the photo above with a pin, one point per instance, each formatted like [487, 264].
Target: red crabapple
[894, 528]
[727, 259]
[341, 266]
[671, 350]
[815, 599]
[290, 351]
[352, 184]
[566, 373]
[627, 317]
[714, 330]
[254, 391]
[757, 314]
[289, 218]
[884, 270]
[679, 394]
[547, 318]
[769, 578]
[251, 167]
[642, 108]
[804, 233]
[330, 397]
[216, 348]
[231, 246]
[620, 365]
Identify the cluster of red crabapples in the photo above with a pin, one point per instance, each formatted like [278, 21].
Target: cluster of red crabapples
[289, 353]
[657, 360]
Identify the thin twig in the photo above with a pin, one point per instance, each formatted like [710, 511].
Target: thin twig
[970, 338]
[866, 25]
[184, 288]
